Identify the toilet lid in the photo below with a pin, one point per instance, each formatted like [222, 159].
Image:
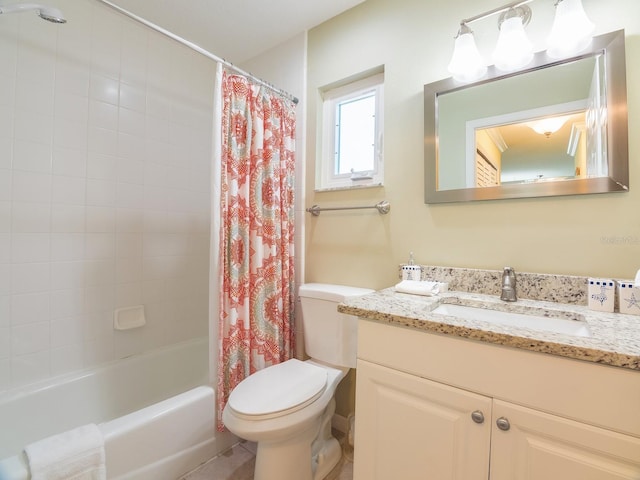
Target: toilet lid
[277, 390]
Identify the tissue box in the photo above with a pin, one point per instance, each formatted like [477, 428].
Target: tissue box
[629, 298]
[601, 294]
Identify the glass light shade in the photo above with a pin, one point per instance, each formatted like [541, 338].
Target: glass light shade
[513, 50]
[547, 126]
[572, 31]
[466, 63]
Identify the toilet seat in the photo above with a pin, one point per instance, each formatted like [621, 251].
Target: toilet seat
[278, 390]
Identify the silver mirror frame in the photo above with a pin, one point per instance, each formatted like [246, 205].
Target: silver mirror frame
[613, 48]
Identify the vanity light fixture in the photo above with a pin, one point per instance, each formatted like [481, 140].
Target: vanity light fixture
[571, 33]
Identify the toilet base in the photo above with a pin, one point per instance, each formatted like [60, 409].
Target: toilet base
[311, 455]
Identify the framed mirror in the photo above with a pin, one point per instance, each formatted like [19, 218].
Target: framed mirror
[555, 128]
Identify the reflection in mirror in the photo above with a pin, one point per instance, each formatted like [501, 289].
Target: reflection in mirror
[555, 129]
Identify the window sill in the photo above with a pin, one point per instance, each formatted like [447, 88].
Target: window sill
[348, 187]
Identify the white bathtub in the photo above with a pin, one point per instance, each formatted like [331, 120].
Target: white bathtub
[155, 411]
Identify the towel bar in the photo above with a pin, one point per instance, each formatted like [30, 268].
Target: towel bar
[383, 208]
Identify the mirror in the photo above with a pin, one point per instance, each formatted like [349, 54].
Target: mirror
[556, 128]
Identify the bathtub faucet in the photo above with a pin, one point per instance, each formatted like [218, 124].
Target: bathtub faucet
[508, 285]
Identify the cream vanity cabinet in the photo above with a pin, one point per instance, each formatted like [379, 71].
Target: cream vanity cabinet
[436, 407]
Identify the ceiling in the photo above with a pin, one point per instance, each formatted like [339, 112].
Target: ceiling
[236, 30]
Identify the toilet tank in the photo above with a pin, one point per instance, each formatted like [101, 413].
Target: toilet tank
[329, 336]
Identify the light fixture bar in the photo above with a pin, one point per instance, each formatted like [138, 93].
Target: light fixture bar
[494, 11]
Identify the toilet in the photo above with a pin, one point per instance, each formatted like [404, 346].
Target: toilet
[287, 408]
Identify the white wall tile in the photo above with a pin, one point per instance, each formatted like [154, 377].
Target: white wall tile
[99, 246]
[102, 167]
[67, 303]
[66, 359]
[5, 217]
[131, 147]
[33, 127]
[98, 351]
[31, 217]
[70, 162]
[66, 247]
[130, 195]
[103, 115]
[99, 299]
[32, 156]
[102, 140]
[99, 273]
[30, 247]
[132, 98]
[72, 77]
[5, 247]
[101, 192]
[67, 218]
[129, 220]
[29, 338]
[128, 245]
[7, 81]
[70, 134]
[5, 343]
[68, 190]
[104, 89]
[30, 308]
[30, 277]
[30, 368]
[66, 331]
[31, 187]
[128, 294]
[100, 219]
[6, 152]
[5, 374]
[67, 275]
[34, 95]
[5, 310]
[130, 171]
[71, 106]
[5, 185]
[129, 271]
[5, 279]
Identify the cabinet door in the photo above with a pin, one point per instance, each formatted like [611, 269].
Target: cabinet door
[539, 446]
[410, 428]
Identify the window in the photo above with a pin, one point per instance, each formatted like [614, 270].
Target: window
[352, 126]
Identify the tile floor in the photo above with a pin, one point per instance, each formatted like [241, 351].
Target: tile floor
[237, 464]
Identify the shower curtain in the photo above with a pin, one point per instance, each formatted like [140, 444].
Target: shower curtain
[256, 249]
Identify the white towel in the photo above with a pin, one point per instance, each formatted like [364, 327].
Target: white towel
[417, 287]
[74, 455]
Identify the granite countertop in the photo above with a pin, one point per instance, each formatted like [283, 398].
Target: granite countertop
[614, 338]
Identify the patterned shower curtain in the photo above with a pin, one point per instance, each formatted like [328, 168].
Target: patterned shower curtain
[257, 232]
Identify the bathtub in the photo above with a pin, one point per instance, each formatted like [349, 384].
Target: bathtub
[155, 411]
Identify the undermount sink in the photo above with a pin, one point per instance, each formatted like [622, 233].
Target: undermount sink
[534, 321]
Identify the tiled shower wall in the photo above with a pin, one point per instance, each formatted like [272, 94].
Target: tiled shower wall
[105, 151]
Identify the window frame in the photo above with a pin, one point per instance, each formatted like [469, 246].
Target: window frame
[326, 178]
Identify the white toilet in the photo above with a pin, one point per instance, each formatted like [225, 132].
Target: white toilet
[287, 408]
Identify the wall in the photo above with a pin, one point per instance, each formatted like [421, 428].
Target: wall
[592, 235]
[104, 189]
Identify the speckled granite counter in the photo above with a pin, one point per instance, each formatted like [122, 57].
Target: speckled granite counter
[614, 338]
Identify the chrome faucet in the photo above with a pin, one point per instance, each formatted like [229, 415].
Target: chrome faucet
[508, 285]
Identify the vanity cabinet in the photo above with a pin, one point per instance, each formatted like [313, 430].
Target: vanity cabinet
[433, 407]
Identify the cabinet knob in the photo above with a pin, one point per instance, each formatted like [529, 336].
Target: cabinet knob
[477, 416]
[503, 424]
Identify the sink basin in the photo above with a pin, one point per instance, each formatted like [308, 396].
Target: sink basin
[539, 323]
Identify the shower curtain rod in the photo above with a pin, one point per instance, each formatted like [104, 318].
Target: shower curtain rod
[198, 49]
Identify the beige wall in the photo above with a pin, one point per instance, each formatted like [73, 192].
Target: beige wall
[595, 235]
